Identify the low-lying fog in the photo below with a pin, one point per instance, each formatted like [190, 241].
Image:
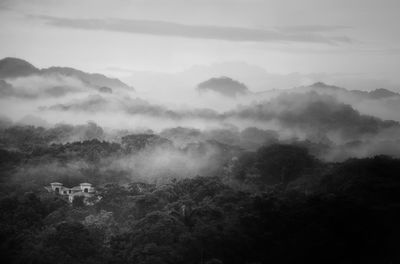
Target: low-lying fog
[347, 122]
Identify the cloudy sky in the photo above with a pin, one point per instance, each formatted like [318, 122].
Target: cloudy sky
[340, 37]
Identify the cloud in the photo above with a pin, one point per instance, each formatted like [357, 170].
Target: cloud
[132, 106]
[38, 86]
[313, 28]
[164, 28]
[315, 113]
[308, 113]
[6, 4]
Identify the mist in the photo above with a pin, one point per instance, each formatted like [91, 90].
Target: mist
[188, 132]
[318, 113]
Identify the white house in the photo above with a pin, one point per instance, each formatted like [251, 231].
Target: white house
[84, 189]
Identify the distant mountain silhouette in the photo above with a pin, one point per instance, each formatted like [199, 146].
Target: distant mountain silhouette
[321, 85]
[374, 94]
[382, 93]
[224, 86]
[95, 79]
[14, 67]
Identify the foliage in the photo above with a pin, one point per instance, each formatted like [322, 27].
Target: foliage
[136, 142]
[347, 215]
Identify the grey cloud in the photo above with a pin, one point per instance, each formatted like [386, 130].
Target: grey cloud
[163, 28]
[6, 4]
[313, 28]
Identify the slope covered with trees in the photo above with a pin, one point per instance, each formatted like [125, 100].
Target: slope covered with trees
[278, 204]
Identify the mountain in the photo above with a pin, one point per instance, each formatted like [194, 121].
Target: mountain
[382, 93]
[224, 86]
[95, 79]
[14, 68]
[321, 87]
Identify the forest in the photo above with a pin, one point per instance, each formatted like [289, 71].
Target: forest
[199, 202]
[199, 132]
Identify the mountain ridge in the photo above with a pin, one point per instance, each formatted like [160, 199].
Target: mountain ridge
[321, 87]
[14, 68]
[378, 93]
[223, 85]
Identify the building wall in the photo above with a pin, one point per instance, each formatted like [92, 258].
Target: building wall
[85, 190]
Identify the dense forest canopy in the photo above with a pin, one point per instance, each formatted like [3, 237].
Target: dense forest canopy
[182, 196]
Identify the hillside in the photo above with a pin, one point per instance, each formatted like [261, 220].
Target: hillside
[224, 86]
[15, 68]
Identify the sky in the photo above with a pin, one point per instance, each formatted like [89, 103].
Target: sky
[356, 38]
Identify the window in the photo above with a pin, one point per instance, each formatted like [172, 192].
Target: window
[57, 189]
[69, 191]
[65, 192]
[86, 190]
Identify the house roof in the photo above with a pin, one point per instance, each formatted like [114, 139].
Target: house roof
[56, 183]
[85, 183]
